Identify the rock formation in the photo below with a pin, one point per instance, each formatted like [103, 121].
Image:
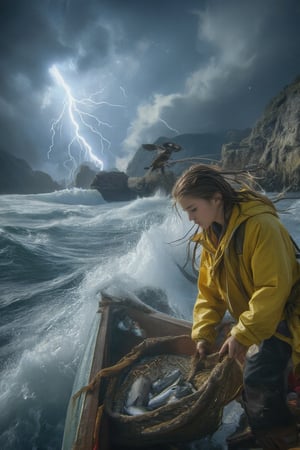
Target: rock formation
[152, 182]
[84, 176]
[113, 186]
[273, 144]
[143, 181]
[17, 177]
[117, 186]
[204, 146]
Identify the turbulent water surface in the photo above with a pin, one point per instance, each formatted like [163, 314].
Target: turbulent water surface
[58, 251]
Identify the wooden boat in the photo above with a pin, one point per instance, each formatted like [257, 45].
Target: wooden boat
[108, 343]
[120, 325]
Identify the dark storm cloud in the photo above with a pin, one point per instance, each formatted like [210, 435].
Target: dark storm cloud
[247, 52]
[172, 66]
[28, 41]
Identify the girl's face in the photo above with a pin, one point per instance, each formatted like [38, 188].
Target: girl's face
[202, 211]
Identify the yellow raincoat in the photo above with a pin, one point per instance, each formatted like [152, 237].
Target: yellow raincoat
[254, 286]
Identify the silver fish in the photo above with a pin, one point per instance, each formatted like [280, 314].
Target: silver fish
[138, 394]
[162, 398]
[159, 385]
[171, 394]
[184, 389]
[135, 410]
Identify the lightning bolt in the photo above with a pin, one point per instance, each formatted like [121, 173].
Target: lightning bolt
[123, 91]
[168, 126]
[78, 112]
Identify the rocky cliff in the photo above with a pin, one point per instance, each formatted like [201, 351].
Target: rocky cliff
[273, 144]
[17, 177]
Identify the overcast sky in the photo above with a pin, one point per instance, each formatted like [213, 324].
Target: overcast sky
[120, 73]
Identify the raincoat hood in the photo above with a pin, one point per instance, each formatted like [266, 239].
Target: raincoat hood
[240, 213]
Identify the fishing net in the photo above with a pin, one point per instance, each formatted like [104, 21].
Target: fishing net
[189, 418]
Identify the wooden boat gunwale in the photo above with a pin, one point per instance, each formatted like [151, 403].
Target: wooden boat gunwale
[155, 324]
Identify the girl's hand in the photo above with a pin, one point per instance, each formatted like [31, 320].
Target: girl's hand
[234, 349]
[203, 348]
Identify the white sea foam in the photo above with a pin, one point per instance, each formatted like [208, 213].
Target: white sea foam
[59, 251]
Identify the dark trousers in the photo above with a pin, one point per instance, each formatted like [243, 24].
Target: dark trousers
[265, 386]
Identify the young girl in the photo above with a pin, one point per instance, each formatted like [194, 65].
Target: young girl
[254, 284]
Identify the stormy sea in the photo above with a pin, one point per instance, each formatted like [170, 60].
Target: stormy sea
[58, 252]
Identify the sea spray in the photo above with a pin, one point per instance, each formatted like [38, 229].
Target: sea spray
[58, 252]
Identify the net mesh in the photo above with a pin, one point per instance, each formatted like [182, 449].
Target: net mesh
[191, 417]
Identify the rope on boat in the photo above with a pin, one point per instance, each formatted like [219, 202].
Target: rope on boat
[113, 370]
[97, 426]
[198, 363]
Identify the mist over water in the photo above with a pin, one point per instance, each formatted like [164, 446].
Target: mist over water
[58, 251]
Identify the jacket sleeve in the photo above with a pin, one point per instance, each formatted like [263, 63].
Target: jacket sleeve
[209, 308]
[269, 257]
